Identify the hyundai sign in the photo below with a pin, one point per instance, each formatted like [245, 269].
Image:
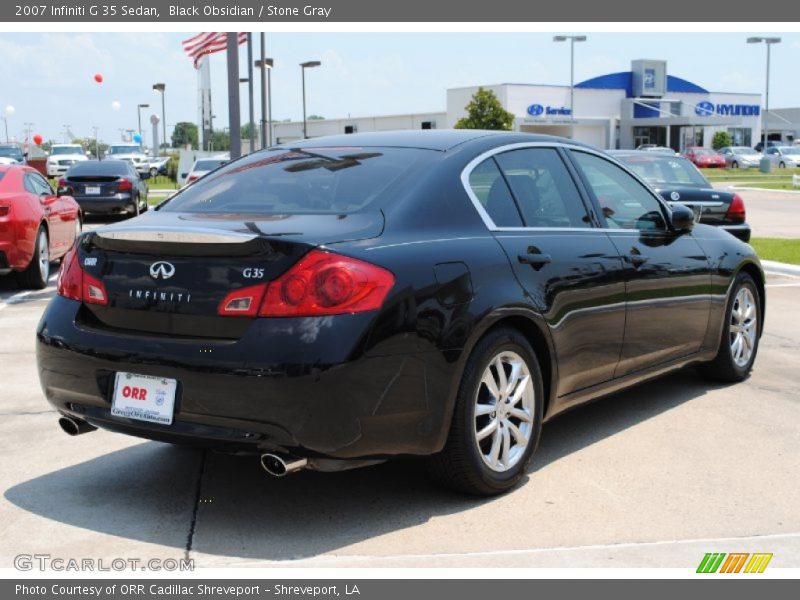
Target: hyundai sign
[707, 109]
[537, 110]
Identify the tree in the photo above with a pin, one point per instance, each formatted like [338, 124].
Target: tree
[221, 141]
[485, 112]
[721, 139]
[183, 134]
[315, 118]
[90, 145]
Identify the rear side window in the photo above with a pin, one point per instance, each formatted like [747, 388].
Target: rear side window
[303, 181]
[490, 188]
[626, 203]
[543, 188]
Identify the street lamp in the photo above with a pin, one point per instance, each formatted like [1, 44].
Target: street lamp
[139, 108]
[266, 100]
[768, 41]
[10, 110]
[161, 87]
[303, 66]
[572, 39]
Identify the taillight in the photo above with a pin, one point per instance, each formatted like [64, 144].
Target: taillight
[192, 178]
[77, 284]
[736, 212]
[324, 283]
[62, 183]
[124, 185]
[243, 302]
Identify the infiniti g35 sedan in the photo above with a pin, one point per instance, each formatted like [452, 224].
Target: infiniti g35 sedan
[340, 301]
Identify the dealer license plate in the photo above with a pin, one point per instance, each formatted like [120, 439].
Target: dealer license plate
[93, 189]
[144, 398]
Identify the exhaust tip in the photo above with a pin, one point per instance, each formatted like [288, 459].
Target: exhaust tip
[279, 466]
[74, 426]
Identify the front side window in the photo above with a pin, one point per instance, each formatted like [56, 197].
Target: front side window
[543, 188]
[626, 203]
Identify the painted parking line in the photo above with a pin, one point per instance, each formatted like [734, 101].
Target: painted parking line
[782, 285]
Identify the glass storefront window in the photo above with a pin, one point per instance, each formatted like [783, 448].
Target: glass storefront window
[741, 136]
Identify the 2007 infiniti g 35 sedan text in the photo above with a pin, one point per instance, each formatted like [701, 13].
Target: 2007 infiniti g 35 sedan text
[344, 300]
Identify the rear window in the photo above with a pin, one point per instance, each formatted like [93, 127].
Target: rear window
[208, 164]
[668, 170]
[2, 174]
[101, 167]
[302, 181]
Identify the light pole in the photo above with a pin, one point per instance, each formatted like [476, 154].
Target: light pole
[303, 66]
[9, 110]
[139, 108]
[66, 133]
[572, 39]
[768, 41]
[266, 64]
[161, 87]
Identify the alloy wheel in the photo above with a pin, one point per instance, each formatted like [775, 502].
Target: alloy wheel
[44, 256]
[504, 409]
[743, 326]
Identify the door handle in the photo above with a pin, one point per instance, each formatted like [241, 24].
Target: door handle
[537, 261]
[637, 260]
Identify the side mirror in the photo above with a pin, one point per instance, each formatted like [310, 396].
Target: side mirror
[184, 175]
[63, 191]
[682, 218]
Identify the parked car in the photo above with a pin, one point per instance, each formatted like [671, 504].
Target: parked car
[202, 166]
[704, 158]
[678, 180]
[37, 225]
[759, 147]
[132, 153]
[784, 156]
[158, 166]
[655, 148]
[343, 300]
[62, 157]
[11, 154]
[108, 187]
[740, 156]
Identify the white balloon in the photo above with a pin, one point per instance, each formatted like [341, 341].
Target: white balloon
[10, 110]
[116, 105]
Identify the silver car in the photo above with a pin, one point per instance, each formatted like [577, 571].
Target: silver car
[784, 156]
[740, 156]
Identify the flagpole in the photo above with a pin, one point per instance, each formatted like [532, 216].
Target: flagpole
[234, 118]
[250, 90]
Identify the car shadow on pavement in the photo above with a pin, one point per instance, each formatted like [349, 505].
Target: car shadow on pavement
[227, 506]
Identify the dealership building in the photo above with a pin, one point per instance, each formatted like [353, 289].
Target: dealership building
[645, 105]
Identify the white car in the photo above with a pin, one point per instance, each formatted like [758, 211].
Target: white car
[784, 156]
[132, 153]
[62, 157]
[202, 166]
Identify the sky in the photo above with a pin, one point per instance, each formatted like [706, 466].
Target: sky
[48, 77]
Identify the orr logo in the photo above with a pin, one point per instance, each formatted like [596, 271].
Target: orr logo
[734, 562]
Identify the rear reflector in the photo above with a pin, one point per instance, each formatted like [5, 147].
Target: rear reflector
[243, 302]
[76, 284]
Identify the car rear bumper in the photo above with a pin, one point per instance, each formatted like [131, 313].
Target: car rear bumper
[739, 231]
[120, 203]
[293, 385]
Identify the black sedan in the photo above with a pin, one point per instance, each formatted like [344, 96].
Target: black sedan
[678, 180]
[108, 187]
[345, 300]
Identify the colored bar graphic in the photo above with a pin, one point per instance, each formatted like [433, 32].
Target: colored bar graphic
[758, 563]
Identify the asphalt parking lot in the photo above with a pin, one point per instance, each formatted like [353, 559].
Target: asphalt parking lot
[656, 476]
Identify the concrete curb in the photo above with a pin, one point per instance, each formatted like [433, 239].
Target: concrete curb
[772, 266]
[758, 189]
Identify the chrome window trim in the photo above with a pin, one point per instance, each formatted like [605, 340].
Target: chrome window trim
[487, 220]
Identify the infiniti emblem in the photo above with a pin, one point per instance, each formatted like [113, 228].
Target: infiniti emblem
[162, 269]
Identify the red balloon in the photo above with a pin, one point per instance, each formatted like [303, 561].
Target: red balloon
[37, 139]
[98, 78]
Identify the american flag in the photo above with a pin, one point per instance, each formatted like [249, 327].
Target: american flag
[208, 43]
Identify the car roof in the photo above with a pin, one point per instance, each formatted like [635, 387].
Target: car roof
[426, 139]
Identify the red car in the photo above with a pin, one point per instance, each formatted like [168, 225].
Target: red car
[704, 158]
[37, 225]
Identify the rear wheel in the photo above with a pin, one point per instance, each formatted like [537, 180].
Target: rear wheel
[37, 272]
[136, 207]
[497, 418]
[734, 165]
[782, 165]
[740, 336]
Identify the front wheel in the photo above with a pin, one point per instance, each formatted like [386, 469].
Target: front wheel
[734, 165]
[497, 419]
[782, 165]
[740, 336]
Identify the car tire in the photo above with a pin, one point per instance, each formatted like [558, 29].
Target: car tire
[782, 165]
[734, 165]
[136, 207]
[37, 273]
[490, 465]
[741, 333]
[153, 172]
